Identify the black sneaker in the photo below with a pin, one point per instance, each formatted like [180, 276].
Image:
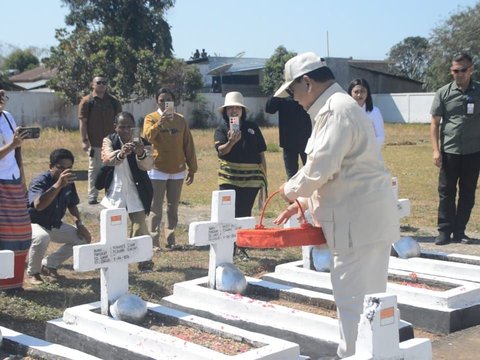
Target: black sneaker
[92, 202]
[442, 239]
[462, 239]
[50, 272]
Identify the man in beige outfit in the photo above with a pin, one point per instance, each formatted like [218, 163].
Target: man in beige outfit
[346, 188]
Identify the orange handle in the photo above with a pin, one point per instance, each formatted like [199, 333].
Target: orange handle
[260, 225]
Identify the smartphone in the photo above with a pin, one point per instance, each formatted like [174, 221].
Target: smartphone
[32, 132]
[234, 123]
[80, 174]
[169, 107]
[135, 134]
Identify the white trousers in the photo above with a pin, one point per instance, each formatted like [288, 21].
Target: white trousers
[66, 235]
[356, 273]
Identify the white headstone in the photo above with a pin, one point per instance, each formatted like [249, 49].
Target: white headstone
[378, 337]
[220, 232]
[7, 263]
[112, 255]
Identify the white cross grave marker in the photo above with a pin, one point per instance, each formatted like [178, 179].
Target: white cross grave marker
[378, 333]
[112, 255]
[220, 232]
[7, 260]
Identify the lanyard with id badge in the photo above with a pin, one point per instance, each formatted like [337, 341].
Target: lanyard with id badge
[470, 105]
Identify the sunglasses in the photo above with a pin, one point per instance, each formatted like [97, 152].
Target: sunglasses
[102, 82]
[462, 70]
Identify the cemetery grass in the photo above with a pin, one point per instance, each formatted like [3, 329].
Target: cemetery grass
[407, 155]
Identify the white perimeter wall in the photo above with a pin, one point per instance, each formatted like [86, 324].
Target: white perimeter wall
[47, 110]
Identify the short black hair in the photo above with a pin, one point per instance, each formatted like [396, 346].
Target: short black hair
[463, 57]
[164, 91]
[322, 74]
[60, 154]
[364, 83]
[124, 115]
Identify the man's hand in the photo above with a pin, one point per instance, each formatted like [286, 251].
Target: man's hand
[65, 178]
[138, 148]
[83, 233]
[189, 178]
[437, 158]
[286, 214]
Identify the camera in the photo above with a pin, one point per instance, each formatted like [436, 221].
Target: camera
[31, 131]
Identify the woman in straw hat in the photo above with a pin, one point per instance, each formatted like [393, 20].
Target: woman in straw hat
[241, 149]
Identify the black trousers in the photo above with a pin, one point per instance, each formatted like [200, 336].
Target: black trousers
[461, 171]
[244, 199]
[290, 158]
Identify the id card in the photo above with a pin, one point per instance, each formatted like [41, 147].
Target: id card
[470, 108]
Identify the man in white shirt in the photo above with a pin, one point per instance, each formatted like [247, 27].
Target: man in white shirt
[346, 187]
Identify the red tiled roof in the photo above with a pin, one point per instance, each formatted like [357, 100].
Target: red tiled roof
[39, 73]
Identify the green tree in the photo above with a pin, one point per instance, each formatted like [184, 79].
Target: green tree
[273, 72]
[128, 41]
[410, 57]
[21, 60]
[458, 34]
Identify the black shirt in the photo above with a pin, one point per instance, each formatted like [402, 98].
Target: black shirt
[247, 150]
[53, 214]
[294, 124]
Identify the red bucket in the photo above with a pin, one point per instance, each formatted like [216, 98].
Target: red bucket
[265, 238]
[19, 270]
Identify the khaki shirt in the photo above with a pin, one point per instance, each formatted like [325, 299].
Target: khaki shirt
[459, 131]
[344, 180]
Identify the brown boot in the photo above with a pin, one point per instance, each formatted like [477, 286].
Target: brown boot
[35, 279]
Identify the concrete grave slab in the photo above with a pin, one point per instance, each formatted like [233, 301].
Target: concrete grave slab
[25, 345]
[82, 327]
[438, 311]
[317, 335]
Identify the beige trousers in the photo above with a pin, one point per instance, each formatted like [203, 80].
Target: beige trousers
[356, 273]
[94, 165]
[41, 237]
[172, 189]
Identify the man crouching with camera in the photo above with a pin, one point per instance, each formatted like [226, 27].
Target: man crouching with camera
[49, 196]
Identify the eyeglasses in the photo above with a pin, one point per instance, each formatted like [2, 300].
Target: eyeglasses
[289, 90]
[462, 70]
[102, 82]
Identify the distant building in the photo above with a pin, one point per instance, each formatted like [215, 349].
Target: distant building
[34, 79]
[224, 74]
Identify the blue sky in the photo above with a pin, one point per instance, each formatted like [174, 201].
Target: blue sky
[361, 29]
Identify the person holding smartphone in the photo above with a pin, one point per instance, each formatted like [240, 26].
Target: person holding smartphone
[15, 230]
[50, 194]
[128, 186]
[241, 149]
[175, 162]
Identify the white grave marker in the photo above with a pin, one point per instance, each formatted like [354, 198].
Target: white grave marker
[378, 333]
[7, 261]
[220, 232]
[112, 255]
